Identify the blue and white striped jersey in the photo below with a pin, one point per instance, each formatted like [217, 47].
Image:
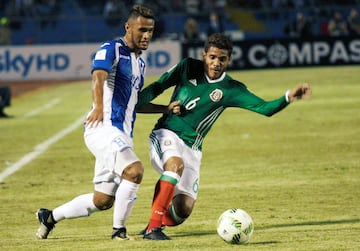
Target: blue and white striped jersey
[125, 80]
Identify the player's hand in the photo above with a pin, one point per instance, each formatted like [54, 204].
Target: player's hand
[301, 92]
[95, 117]
[175, 107]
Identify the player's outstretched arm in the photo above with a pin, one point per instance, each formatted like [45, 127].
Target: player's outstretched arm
[300, 92]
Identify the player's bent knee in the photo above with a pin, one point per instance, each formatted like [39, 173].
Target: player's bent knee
[175, 164]
[183, 205]
[134, 172]
[184, 211]
[103, 205]
[103, 201]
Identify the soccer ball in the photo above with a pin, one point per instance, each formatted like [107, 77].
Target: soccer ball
[235, 226]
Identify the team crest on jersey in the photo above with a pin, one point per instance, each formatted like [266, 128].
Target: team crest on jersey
[216, 95]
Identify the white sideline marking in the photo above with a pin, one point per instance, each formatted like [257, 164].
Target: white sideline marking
[43, 108]
[39, 149]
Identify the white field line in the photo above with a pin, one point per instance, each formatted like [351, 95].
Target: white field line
[43, 108]
[39, 149]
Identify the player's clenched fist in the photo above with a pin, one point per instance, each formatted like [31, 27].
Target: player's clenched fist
[175, 107]
[302, 91]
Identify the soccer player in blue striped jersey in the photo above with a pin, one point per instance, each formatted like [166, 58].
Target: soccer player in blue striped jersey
[203, 90]
[117, 78]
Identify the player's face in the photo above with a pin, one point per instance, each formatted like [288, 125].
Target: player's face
[215, 62]
[139, 33]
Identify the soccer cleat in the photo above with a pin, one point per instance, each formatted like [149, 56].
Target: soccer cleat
[47, 223]
[156, 234]
[142, 232]
[120, 234]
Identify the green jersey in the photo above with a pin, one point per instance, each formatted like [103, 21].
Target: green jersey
[203, 100]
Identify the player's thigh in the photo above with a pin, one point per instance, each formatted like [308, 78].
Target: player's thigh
[113, 151]
[128, 166]
[97, 140]
[190, 180]
[164, 145]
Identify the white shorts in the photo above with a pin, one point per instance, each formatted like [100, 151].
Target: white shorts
[165, 144]
[113, 151]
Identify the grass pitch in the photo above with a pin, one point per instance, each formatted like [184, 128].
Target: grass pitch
[297, 173]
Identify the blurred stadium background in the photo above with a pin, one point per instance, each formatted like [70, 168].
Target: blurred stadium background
[53, 39]
[84, 21]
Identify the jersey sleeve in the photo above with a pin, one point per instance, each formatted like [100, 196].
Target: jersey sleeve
[243, 98]
[167, 80]
[104, 57]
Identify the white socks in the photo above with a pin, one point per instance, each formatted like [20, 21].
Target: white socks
[124, 201]
[80, 206]
[83, 205]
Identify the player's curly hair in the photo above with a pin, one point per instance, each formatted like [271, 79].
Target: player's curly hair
[220, 41]
[139, 10]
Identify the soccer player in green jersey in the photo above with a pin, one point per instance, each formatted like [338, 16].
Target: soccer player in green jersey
[202, 91]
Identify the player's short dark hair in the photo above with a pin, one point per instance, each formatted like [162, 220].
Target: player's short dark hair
[220, 41]
[139, 10]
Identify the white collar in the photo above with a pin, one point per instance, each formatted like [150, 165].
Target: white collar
[211, 81]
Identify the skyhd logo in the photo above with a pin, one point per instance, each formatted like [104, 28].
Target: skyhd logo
[23, 65]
